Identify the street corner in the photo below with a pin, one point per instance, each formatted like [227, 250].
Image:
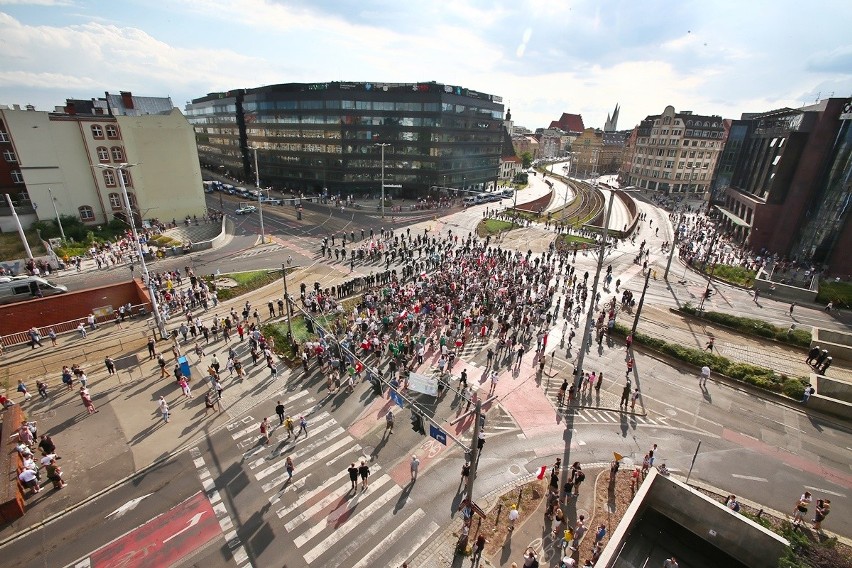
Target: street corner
[164, 540]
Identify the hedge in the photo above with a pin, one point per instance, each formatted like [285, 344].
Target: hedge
[753, 327]
[760, 377]
[838, 292]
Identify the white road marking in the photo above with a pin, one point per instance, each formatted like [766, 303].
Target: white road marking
[351, 524]
[819, 490]
[302, 450]
[306, 463]
[325, 502]
[421, 539]
[749, 477]
[255, 427]
[390, 539]
[129, 506]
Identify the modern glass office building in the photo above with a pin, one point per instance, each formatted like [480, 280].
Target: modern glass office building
[330, 135]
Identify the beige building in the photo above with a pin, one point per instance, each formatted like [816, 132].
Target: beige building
[59, 154]
[675, 152]
[596, 151]
[526, 143]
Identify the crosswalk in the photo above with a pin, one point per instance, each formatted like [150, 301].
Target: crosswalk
[596, 416]
[317, 508]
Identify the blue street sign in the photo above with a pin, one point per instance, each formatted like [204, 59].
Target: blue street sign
[396, 398]
[438, 434]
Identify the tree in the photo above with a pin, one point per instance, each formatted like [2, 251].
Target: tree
[526, 159]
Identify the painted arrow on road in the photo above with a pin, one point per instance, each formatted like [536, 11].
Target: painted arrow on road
[129, 506]
[192, 522]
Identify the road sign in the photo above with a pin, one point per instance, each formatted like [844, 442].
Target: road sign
[477, 509]
[438, 434]
[395, 396]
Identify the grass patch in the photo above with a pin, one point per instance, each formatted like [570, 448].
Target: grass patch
[493, 227]
[11, 247]
[577, 239]
[735, 275]
[838, 292]
[246, 282]
[753, 327]
[760, 377]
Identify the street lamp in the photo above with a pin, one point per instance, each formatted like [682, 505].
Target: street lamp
[382, 145]
[119, 171]
[259, 194]
[58, 220]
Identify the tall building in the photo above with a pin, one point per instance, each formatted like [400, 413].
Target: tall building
[611, 124]
[57, 155]
[327, 135]
[791, 185]
[675, 152]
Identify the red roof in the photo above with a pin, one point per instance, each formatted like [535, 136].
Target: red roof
[569, 123]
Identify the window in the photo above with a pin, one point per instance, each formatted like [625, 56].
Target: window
[111, 131]
[10, 156]
[17, 177]
[115, 201]
[4, 137]
[125, 175]
[97, 131]
[87, 214]
[103, 154]
[109, 178]
[131, 197]
[117, 154]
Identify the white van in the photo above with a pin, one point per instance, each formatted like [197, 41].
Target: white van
[470, 200]
[20, 288]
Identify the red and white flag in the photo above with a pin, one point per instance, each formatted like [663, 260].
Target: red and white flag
[541, 472]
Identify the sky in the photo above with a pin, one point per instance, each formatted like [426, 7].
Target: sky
[544, 57]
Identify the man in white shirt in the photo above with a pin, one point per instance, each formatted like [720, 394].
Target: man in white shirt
[705, 374]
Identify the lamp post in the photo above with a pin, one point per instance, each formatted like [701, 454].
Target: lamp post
[567, 177]
[56, 212]
[259, 195]
[119, 169]
[382, 145]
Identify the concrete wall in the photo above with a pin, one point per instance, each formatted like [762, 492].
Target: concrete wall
[838, 343]
[69, 306]
[782, 291]
[167, 181]
[833, 388]
[736, 535]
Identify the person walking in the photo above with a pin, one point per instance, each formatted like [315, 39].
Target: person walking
[22, 388]
[710, 345]
[288, 465]
[494, 378]
[210, 403]
[705, 374]
[303, 426]
[389, 422]
[801, 508]
[353, 476]
[109, 363]
[629, 366]
[793, 305]
[279, 410]
[264, 430]
[87, 400]
[164, 409]
[513, 517]
[823, 508]
[633, 400]
[478, 546]
[161, 361]
[415, 465]
[465, 473]
[625, 396]
[364, 472]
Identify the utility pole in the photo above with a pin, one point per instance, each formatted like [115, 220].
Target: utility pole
[287, 303]
[259, 196]
[587, 330]
[474, 453]
[56, 212]
[20, 228]
[382, 146]
[675, 243]
[641, 301]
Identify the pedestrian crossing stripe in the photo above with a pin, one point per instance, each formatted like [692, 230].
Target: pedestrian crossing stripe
[388, 542]
[371, 530]
[307, 463]
[342, 511]
[316, 444]
[286, 510]
[327, 501]
[254, 425]
[420, 540]
[288, 444]
[351, 523]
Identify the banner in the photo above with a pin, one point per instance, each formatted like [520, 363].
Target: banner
[423, 384]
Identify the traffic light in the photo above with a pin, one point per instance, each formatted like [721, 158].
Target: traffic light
[707, 293]
[417, 423]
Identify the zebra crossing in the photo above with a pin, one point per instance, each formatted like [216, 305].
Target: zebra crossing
[599, 416]
[317, 508]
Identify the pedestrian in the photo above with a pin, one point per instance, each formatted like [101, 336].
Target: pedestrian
[415, 465]
[801, 508]
[51, 333]
[732, 503]
[494, 378]
[389, 422]
[577, 477]
[22, 388]
[152, 351]
[264, 430]
[806, 394]
[513, 517]
[164, 409]
[823, 508]
[478, 546]
[599, 383]
[184, 387]
[793, 305]
[600, 533]
[633, 400]
[705, 374]
[303, 426]
[279, 410]
[364, 472]
[219, 389]
[53, 471]
[671, 563]
[710, 344]
[465, 473]
[87, 400]
[825, 366]
[210, 403]
[288, 465]
[812, 354]
[625, 396]
[579, 531]
[288, 424]
[353, 476]
[109, 364]
[161, 361]
[629, 366]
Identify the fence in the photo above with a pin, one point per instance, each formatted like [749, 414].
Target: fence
[64, 327]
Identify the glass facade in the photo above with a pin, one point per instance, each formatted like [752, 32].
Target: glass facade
[326, 135]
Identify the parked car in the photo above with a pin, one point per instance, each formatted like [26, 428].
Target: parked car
[246, 209]
[19, 288]
[271, 201]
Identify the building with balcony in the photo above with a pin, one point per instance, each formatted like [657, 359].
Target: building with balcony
[58, 154]
[675, 152]
[790, 186]
[327, 135]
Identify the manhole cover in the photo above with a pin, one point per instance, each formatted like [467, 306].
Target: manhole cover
[671, 412]
[515, 469]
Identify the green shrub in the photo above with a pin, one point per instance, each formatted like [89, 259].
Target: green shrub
[838, 292]
[753, 326]
[735, 275]
[793, 387]
[246, 282]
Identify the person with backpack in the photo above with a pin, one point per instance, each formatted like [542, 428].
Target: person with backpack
[577, 477]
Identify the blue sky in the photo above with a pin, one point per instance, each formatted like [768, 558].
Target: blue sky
[543, 57]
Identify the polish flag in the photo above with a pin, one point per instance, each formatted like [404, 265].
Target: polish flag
[541, 472]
